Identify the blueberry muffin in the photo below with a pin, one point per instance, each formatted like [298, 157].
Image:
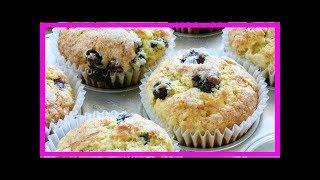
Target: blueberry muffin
[196, 30]
[125, 132]
[198, 92]
[112, 57]
[256, 45]
[60, 97]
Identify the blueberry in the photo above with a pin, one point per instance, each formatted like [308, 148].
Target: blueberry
[141, 56]
[138, 49]
[122, 117]
[144, 138]
[194, 57]
[160, 92]
[193, 52]
[201, 59]
[59, 83]
[205, 85]
[93, 57]
[166, 44]
[153, 45]
[197, 80]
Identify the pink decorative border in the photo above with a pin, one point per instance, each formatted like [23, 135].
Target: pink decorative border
[205, 154]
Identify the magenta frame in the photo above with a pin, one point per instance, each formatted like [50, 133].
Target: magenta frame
[203, 154]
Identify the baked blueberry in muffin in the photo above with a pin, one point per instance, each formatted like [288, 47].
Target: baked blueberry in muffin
[194, 57]
[105, 133]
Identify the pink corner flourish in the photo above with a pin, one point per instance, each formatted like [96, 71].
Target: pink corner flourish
[202, 154]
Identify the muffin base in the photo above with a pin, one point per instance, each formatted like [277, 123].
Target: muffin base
[216, 138]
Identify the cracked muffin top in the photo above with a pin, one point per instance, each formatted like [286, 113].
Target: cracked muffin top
[198, 92]
[126, 132]
[59, 95]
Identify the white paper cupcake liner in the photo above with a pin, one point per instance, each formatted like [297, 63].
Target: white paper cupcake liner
[73, 121]
[216, 138]
[79, 93]
[118, 80]
[267, 73]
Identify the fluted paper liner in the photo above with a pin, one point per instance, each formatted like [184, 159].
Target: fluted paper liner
[73, 121]
[216, 138]
[124, 79]
[268, 72]
[79, 94]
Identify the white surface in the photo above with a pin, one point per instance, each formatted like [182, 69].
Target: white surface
[130, 101]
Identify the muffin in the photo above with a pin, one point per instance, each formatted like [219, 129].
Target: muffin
[196, 30]
[255, 45]
[124, 132]
[112, 57]
[59, 95]
[200, 94]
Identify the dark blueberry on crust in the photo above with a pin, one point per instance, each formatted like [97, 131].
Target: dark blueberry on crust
[206, 85]
[114, 66]
[122, 117]
[138, 49]
[141, 56]
[201, 59]
[196, 80]
[93, 57]
[153, 45]
[214, 79]
[156, 84]
[144, 138]
[160, 91]
[194, 58]
[193, 52]
[59, 83]
[166, 43]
